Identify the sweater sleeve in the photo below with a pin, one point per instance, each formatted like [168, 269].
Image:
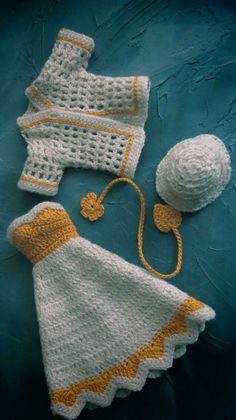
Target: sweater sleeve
[71, 51]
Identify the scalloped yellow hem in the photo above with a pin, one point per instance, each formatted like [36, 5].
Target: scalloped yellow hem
[128, 369]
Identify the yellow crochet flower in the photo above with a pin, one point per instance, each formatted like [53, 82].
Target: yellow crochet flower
[91, 208]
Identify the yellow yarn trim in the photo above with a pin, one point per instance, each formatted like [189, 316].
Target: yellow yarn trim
[135, 93]
[60, 120]
[41, 98]
[38, 182]
[128, 369]
[38, 238]
[38, 95]
[167, 219]
[74, 42]
[126, 156]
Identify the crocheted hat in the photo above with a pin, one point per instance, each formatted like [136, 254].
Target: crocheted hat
[76, 118]
[193, 173]
[105, 324]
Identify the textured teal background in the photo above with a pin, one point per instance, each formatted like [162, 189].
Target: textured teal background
[188, 49]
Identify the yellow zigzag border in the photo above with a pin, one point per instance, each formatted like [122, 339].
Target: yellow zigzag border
[128, 369]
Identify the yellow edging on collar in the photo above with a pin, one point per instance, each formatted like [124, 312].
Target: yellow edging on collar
[41, 98]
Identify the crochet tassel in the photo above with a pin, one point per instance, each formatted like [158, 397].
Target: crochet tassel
[165, 217]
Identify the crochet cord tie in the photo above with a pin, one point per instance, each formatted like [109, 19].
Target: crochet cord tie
[165, 217]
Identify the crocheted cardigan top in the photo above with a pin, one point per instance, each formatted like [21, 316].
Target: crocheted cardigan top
[80, 119]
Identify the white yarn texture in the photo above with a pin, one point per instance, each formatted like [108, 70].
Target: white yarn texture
[97, 314]
[110, 113]
[193, 173]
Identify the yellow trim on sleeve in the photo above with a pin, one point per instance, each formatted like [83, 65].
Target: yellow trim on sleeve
[38, 181]
[74, 42]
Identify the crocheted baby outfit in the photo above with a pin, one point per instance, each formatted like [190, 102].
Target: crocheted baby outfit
[80, 119]
[105, 324]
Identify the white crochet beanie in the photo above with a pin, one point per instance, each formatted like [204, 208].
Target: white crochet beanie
[79, 119]
[105, 324]
[193, 173]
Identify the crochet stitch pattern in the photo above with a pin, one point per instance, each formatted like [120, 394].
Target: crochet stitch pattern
[79, 119]
[92, 209]
[193, 173]
[105, 324]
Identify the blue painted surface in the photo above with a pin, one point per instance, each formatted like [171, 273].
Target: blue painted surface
[188, 49]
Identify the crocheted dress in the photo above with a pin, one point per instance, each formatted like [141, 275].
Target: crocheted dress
[105, 324]
[80, 119]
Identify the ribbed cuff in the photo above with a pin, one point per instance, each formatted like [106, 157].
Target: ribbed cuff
[36, 185]
[77, 39]
[40, 176]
